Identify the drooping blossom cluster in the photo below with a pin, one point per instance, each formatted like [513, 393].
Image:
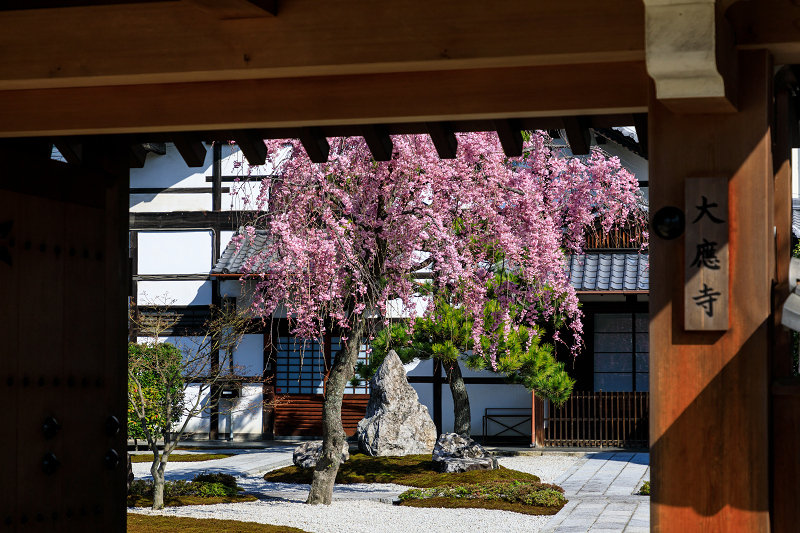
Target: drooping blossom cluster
[348, 236]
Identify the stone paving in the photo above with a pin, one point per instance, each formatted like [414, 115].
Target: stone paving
[248, 462]
[601, 488]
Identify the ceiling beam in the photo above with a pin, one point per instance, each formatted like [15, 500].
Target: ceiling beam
[138, 156]
[190, 147]
[640, 123]
[179, 41]
[443, 138]
[510, 134]
[237, 9]
[413, 97]
[578, 136]
[252, 146]
[70, 148]
[378, 141]
[315, 144]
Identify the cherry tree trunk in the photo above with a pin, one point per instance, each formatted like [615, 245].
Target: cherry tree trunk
[461, 412]
[333, 435]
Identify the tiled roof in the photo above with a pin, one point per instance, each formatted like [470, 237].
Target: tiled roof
[796, 217]
[231, 261]
[625, 271]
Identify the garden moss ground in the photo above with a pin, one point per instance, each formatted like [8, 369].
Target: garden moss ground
[181, 457]
[417, 471]
[178, 501]
[169, 524]
[410, 470]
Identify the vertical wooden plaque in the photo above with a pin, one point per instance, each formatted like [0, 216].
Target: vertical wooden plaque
[706, 255]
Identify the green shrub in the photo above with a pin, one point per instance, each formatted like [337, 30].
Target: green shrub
[225, 479]
[219, 485]
[212, 490]
[645, 490]
[514, 491]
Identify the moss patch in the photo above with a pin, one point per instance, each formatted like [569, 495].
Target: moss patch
[467, 503]
[182, 457]
[178, 501]
[410, 470]
[169, 524]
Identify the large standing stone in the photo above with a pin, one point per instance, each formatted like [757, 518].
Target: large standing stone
[307, 454]
[454, 453]
[395, 423]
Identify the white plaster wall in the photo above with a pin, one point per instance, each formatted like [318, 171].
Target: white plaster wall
[420, 368]
[188, 292]
[247, 411]
[170, 170]
[142, 203]
[491, 396]
[198, 424]
[249, 355]
[175, 252]
[231, 288]
[425, 393]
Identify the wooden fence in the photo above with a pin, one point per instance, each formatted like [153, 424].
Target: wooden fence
[594, 419]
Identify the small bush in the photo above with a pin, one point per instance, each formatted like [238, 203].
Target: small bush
[645, 490]
[225, 479]
[515, 491]
[202, 486]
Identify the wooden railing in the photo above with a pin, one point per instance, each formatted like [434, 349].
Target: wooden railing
[594, 419]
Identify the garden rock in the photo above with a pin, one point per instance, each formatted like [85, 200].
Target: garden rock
[307, 454]
[395, 423]
[455, 453]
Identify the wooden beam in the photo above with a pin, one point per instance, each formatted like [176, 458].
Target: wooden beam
[315, 144]
[510, 134]
[378, 140]
[191, 149]
[252, 146]
[578, 136]
[71, 148]
[221, 220]
[640, 123]
[526, 92]
[138, 156]
[237, 9]
[443, 139]
[174, 42]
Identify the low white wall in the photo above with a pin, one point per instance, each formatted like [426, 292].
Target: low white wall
[186, 292]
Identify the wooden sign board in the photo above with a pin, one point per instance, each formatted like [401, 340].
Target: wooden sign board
[706, 255]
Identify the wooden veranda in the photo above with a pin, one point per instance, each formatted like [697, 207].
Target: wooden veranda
[100, 77]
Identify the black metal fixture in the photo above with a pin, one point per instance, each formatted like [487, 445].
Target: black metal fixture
[669, 222]
[50, 427]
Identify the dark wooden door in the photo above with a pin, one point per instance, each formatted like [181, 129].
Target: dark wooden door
[63, 281]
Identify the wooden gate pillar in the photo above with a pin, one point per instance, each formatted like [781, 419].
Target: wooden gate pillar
[709, 389]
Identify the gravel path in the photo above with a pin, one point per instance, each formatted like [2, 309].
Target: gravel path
[360, 516]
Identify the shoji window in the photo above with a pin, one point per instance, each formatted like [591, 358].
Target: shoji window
[621, 352]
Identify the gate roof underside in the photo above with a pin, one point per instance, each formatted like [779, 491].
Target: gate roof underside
[192, 65]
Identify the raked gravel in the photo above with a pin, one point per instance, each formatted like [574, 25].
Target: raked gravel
[361, 516]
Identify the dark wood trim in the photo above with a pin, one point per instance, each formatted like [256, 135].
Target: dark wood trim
[177, 190]
[243, 177]
[268, 386]
[177, 220]
[437, 396]
[483, 380]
